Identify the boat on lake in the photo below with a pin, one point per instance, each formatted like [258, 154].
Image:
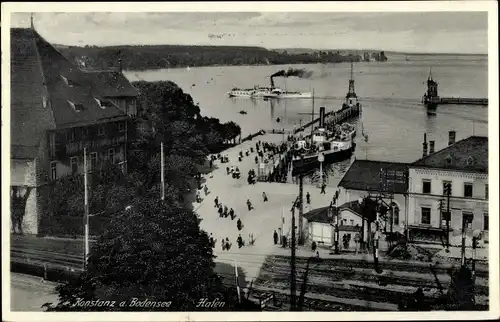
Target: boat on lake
[333, 146]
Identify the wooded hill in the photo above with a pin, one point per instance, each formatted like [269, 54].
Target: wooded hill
[170, 56]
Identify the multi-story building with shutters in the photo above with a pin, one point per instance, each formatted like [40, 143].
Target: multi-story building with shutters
[57, 110]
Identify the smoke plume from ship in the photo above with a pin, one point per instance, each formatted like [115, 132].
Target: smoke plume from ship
[291, 72]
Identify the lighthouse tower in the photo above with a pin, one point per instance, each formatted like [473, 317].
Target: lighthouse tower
[431, 96]
[351, 99]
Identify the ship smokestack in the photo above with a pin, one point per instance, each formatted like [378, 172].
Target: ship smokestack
[451, 137]
[322, 117]
[431, 147]
[120, 65]
[425, 145]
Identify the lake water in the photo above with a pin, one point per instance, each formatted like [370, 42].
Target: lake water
[390, 92]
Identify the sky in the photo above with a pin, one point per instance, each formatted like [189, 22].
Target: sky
[421, 32]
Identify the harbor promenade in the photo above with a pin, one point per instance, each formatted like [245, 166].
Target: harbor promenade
[262, 220]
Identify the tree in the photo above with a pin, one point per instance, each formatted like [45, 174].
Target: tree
[155, 251]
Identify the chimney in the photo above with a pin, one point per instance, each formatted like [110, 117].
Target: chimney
[425, 145]
[451, 137]
[431, 147]
[322, 117]
[120, 65]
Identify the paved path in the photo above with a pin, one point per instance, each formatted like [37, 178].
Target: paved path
[261, 221]
[29, 293]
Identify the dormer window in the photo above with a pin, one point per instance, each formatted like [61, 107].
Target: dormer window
[103, 103]
[470, 161]
[68, 82]
[76, 106]
[449, 160]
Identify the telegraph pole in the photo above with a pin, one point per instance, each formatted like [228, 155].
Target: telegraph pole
[162, 173]
[292, 274]
[86, 210]
[448, 216]
[301, 205]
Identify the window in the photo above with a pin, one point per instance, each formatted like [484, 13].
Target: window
[121, 126]
[486, 224]
[352, 222]
[78, 107]
[467, 218]
[93, 161]
[444, 187]
[103, 103]
[53, 170]
[426, 216]
[71, 135]
[468, 189]
[449, 160]
[111, 155]
[426, 186]
[100, 130]
[67, 81]
[486, 191]
[74, 165]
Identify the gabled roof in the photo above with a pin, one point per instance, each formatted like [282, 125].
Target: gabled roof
[365, 175]
[29, 118]
[470, 155]
[113, 83]
[354, 206]
[319, 215]
[40, 95]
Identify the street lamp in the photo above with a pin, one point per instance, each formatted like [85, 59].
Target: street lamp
[321, 159]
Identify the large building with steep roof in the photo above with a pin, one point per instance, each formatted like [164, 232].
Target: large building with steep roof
[463, 164]
[56, 111]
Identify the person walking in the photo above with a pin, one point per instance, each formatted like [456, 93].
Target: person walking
[223, 244]
[238, 224]
[231, 213]
[220, 211]
[216, 202]
[323, 186]
[249, 205]
[228, 244]
[226, 212]
[239, 240]
[264, 197]
[313, 246]
[275, 237]
[308, 198]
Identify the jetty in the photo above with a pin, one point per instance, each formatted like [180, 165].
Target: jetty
[431, 98]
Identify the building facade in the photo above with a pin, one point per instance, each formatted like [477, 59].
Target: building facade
[464, 165]
[57, 110]
[388, 180]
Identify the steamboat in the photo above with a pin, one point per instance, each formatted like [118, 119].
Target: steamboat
[328, 146]
[272, 92]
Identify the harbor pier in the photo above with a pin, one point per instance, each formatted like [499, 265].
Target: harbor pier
[431, 98]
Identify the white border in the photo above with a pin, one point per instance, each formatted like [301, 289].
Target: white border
[381, 6]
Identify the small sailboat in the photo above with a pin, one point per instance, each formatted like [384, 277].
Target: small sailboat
[188, 68]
